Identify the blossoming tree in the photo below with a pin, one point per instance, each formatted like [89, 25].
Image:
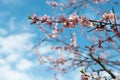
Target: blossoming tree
[92, 43]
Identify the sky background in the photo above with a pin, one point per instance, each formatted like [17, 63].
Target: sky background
[17, 37]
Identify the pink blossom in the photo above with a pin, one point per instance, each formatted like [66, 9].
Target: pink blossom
[34, 19]
[109, 39]
[106, 16]
[42, 28]
[99, 78]
[85, 22]
[118, 78]
[49, 22]
[74, 19]
[61, 60]
[84, 77]
[53, 3]
[69, 64]
[45, 18]
[91, 48]
[73, 1]
[109, 16]
[102, 56]
[65, 21]
[98, 1]
[61, 4]
[100, 43]
[64, 70]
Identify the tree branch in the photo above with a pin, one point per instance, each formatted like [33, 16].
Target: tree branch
[103, 66]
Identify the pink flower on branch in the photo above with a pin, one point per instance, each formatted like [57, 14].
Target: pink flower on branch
[34, 19]
[53, 3]
[84, 77]
[65, 21]
[45, 18]
[75, 19]
[98, 1]
[109, 16]
[100, 44]
[85, 22]
[62, 60]
[73, 1]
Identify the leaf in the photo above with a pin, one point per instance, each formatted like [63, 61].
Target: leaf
[82, 71]
[29, 17]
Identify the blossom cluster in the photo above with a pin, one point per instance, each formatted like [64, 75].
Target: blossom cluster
[98, 1]
[108, 16]
[85, 22]
[54, 4]
[70, 22]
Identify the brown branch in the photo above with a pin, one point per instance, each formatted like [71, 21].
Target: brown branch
[58, 21]
[103, 66]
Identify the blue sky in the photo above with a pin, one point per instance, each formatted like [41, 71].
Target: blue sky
[17, 37]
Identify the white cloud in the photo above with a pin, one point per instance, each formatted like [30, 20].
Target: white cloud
[6, 73]
[18, 43]
[13, 58]
[16, 47]
[2, 62]
[24, 64]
